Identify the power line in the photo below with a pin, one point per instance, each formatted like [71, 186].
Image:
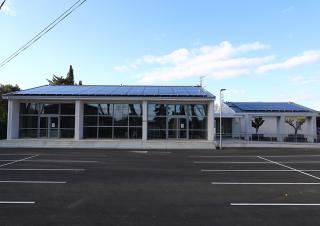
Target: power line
[2, 4]
[48, 28]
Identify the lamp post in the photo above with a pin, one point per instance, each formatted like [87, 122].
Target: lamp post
[221, 90]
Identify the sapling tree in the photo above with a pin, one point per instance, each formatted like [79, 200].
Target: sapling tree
[256, 123]
[295, 122]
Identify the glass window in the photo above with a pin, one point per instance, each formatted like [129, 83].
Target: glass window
[105, 132]
[67, 109]
[135, 109]
[135, 121]
[120, 132]
[67, 133]
[91, 109]
[105, 109]
[29, 108]
[197, 122]
[180, 109]
[156, 134]
[198, 110]
[66, 121]
[28, 121]
[105, 120]
[171, 109]
[135, 132]
[90, 132]
[197, 134]
[90, 121]
[120, 114]
[156, 110]
[157, 123]
[49, 108]
[43, 122]
[28, 133]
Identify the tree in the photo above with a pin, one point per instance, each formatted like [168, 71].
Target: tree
[68, 80]
[4, 107]
[295, 122]
[70, 77]
[256, 123]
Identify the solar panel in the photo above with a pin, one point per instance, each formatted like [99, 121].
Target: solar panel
[105, 90]
[268, 106]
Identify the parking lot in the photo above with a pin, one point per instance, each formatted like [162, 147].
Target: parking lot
[169, 187]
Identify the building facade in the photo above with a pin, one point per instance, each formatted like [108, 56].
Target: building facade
[237, 118]
[137, 116]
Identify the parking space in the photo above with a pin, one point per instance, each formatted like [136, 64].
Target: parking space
[176, 187]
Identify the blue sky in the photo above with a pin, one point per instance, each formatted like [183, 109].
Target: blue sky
[257, 50]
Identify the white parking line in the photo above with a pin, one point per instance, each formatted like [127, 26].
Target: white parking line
[16, 202]
[226, 162]
[20, 160]
[218, 162]
[288, 167]
[32, 182]
[208, 170]
[275, 204]
[263, 183]
[250, 156]
[50, 160]
[18, 169]
[222, 156]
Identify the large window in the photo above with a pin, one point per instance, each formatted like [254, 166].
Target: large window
[177, 121]
[112, 121]
[47, 120]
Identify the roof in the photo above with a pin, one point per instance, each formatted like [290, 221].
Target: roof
[115, 90]
[268, 107]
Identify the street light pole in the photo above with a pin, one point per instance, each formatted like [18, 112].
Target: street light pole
[221, 90]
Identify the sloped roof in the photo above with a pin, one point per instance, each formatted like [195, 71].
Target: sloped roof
[115, 90]
[268, 107]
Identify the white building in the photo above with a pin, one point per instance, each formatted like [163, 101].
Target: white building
[237, 120]
[111, 117]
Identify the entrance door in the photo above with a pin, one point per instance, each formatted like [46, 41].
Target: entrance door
[177, 128]
[49, 127]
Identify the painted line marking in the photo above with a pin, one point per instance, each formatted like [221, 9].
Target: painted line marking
[205, 170]
[249, 156]
[17, 202]
[218, 162]
[20, 160]
[49, 160]
[275, 204]
[263, 183]
[7, 154]
[222, 156]
[18, 169]
[139, 152]
[33, 182]
[288, 167]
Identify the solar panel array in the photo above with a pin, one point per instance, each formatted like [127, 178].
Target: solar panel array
[109, 90]
[268, 107]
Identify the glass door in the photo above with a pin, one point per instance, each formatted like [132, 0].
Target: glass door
[177, 128]
[53, 127]
[49, 127]
[182, 128]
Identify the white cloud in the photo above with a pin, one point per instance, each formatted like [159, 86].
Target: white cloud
[8, 9]
[307, 57]
[121, 68]
[221, 61]
[218, 62]
[306, 80]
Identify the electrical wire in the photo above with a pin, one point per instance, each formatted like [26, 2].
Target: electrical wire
[48, 28]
